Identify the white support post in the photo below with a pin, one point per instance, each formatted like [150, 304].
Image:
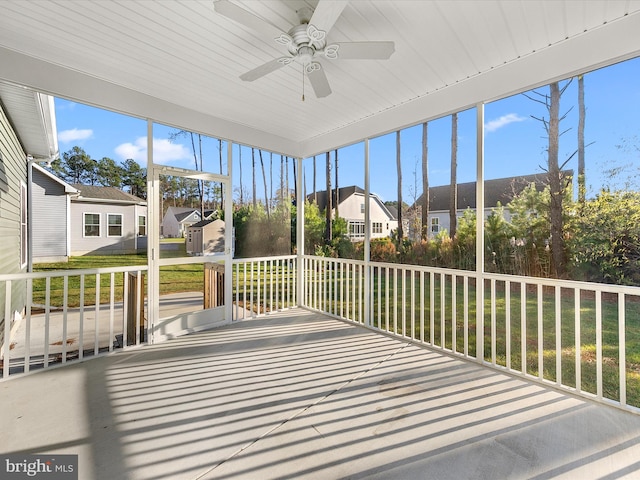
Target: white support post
[480, 233]
[300, 236]
[153, 240]
[367, 239]
[228, 238]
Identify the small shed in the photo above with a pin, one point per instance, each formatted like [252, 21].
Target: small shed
[205, 237]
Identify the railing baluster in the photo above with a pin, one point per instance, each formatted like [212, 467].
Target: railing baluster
[507, 320]
[47, 318]
[599, 343]
[258, 288]
[577, 314]
[96, 320]
[395, 300]
[65, 317]
[443, 308]
[558, 318]
[465, 294]
[413, 304]
[540, 333]
[125, 309]
[523, 326]
[81, 325]
[622, 346]
[432, 309]
[493, 321]
[27, 327]
[404, 301]
[111, 311]
[386, 305]
[422, 306]
[454, 319]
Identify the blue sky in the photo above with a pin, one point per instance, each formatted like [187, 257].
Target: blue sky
[514, 141]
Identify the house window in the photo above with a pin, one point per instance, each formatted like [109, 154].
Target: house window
[362, 208]
[356, 229]
[114, 225]
[91, 224]
[142, 225]
[435, 225]
[376, 227]
[24, 247]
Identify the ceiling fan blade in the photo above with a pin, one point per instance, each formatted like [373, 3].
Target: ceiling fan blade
[262, 70]
[365, 50]
[319, 83]
[326, 14]
[246, 18]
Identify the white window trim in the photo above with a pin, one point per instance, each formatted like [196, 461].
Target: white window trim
[138, 226]
[121, 225]
[24, 230]
[84, 224]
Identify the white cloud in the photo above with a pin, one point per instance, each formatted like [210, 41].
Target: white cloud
[164, 151]
[493, 125]
[73, 135]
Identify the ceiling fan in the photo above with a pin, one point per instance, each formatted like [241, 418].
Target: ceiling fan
[306, 42]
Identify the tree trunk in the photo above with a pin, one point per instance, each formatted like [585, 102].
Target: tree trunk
[399, 170]
[425, 185]
[282, 179]
[264, 180]
[328, 234]
[253, 177]
[315, 191]
[453, 190]
[556, 184]
[581, 119]
[295, 179]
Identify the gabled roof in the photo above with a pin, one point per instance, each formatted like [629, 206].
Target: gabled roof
[67, 188]
[204, 223]
[105, 194]
[346, 192]
[496, 190]
[343, 194]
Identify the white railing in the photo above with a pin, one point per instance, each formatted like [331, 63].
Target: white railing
[263, 285]
[54, 327]
[572, 335]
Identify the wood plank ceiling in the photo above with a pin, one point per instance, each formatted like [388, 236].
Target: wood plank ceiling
[448, 55]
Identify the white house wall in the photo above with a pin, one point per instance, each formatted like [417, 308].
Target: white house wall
[103, 244]
[15, 169]
[352, 209]
[49, 229]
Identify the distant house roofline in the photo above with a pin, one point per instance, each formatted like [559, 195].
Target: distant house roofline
[93, 193]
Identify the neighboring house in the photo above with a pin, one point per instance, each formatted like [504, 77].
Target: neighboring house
[105, 220]
[27, 134]
[176, 220]
[500, 190]
[205, 237]
[51, 212]
[351, 208]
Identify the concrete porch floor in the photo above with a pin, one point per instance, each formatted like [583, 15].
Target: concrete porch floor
[300, 395]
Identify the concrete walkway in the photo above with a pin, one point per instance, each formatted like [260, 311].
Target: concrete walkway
[298, 395]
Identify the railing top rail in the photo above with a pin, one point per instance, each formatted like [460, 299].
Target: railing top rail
[71, 272]
[262, 259]
[554, 282]
[336, 260]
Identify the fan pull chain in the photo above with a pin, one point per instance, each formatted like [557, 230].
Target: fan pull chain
[303, 83]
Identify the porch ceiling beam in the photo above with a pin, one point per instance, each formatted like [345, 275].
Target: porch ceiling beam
[60, 81]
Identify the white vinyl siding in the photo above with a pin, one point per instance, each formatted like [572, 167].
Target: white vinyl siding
[114, 225]
[91, 224]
